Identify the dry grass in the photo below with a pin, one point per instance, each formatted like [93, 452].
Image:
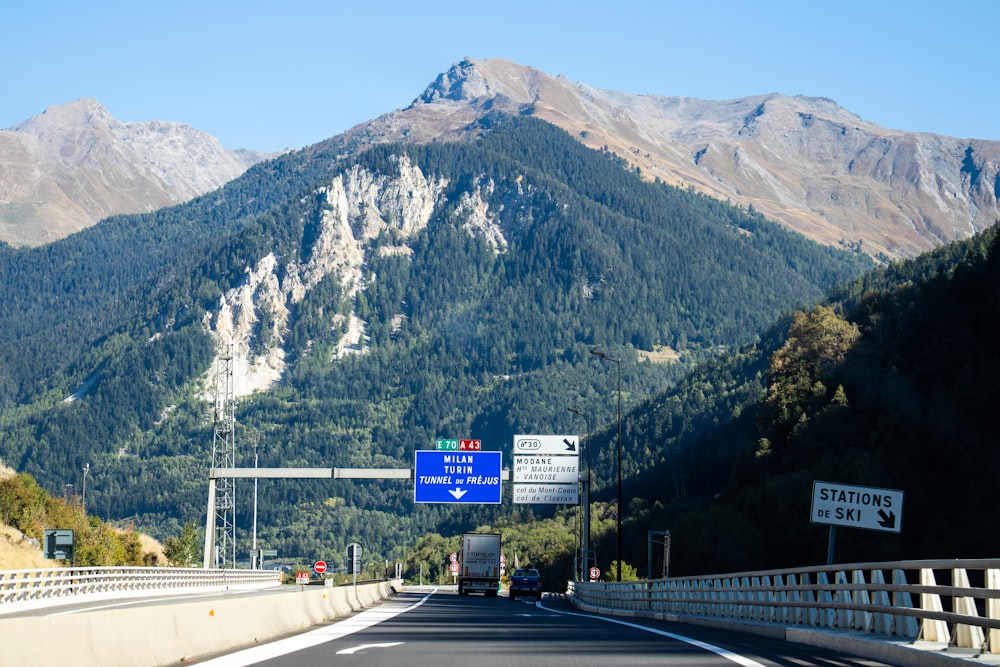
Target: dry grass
[152, 546]
[20, 553]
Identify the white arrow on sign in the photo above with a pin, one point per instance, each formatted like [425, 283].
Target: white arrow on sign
[457, 492]
[355, 649]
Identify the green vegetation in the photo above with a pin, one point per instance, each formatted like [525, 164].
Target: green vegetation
[889, 384]
[185, 550]
[463, 342]
[29, 508]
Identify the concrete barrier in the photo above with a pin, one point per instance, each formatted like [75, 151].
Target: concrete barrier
[173, 631]
[887, 649]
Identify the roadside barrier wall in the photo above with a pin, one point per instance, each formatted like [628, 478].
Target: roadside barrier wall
[177, 630]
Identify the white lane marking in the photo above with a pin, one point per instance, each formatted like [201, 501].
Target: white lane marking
[327, 633]
[718, 650]
[131, 603]
[362, 647]
[536, 615]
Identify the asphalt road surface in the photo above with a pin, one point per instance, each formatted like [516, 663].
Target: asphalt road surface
[443, 629]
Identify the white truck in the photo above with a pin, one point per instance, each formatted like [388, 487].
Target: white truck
[479, 562]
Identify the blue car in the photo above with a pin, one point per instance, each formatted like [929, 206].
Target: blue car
[525, 581]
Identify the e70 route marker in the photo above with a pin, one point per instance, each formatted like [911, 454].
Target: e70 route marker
[452, 445]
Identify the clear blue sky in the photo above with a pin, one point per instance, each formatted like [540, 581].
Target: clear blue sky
[288, 73]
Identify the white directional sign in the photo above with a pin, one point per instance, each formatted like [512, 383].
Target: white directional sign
[857, 506]
[547, 444]
[551, 469]
[546, 469]
[546, 494]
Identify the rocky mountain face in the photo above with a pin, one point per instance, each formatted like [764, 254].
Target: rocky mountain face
[75, 164]
[356, 207]
[802, 161]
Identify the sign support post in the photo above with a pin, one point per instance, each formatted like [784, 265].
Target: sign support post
[831, 540]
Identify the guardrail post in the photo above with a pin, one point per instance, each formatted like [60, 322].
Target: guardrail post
[881, 623]
[932, 630]
[966, 636]
[993, 609]
[794, 614]
[729, 607]
[845, 618]
[717, 598]
[904, 626]
[767, 598]
[809, 596]
[826, 618]
[744, 597]
[779, 595]
[862, 620]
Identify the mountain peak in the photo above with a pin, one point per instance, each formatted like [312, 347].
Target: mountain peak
[803, 161]
[84, 112]
[74, 164]
[478, 80]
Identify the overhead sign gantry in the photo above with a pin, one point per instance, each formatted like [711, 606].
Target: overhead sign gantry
[457, 471]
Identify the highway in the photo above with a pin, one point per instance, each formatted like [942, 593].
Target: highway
[438, 628]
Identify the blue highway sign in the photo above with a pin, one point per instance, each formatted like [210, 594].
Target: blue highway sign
[456, 477]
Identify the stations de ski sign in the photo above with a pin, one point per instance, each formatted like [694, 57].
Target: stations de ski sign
[857, 506]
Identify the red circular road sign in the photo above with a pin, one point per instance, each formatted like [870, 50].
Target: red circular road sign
[595, 573]
[453, 558]
[319, 567]
[454, 568]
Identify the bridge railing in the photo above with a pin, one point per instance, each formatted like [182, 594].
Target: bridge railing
[28, 589]
[952, 602]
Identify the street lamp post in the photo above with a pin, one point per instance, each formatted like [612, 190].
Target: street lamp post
[600, 354]
[254, 560]
[83, 503]
[585, 522]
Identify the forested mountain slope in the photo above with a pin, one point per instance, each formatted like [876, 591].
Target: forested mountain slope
[890, 384]
[481, 274]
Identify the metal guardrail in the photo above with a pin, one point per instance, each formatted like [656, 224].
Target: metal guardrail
[898, 599]
[30, 589]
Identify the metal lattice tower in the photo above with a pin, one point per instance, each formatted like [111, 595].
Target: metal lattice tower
[224, 456]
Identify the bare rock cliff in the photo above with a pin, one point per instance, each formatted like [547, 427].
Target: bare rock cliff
[355, 207]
